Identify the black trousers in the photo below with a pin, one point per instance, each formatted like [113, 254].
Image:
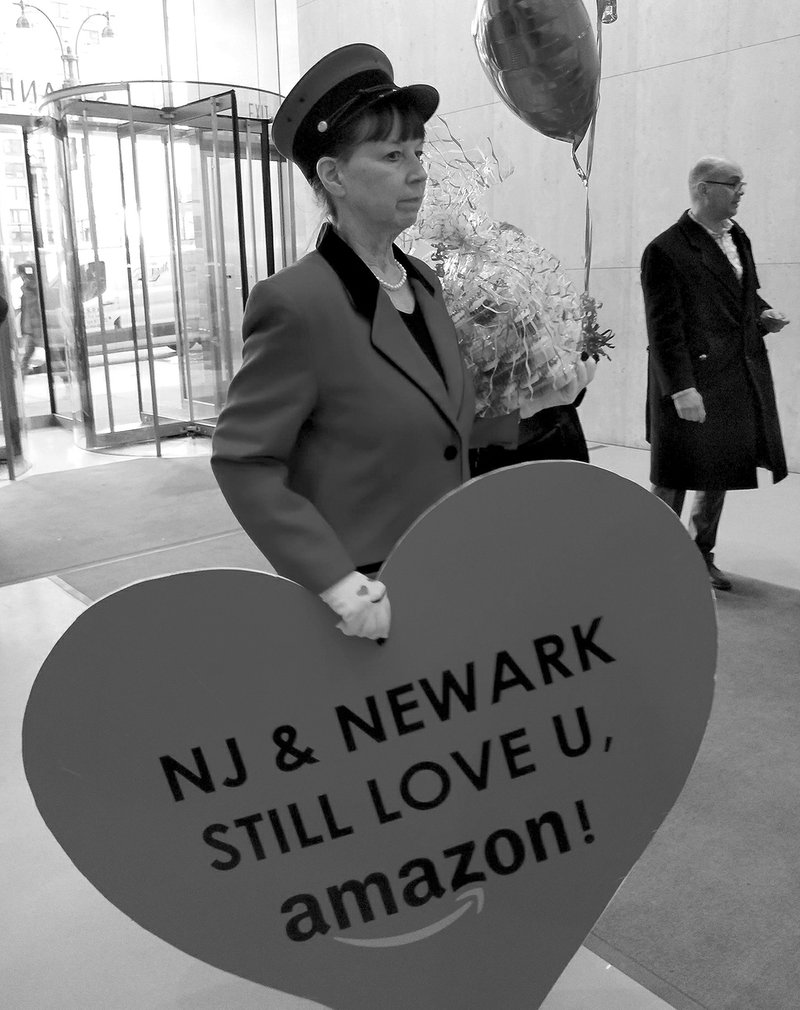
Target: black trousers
[704, 517]
[553, 433]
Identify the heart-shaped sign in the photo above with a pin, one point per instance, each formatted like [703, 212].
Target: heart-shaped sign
[435, 823]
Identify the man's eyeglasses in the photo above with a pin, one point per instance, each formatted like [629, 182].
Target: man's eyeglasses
[737, 187]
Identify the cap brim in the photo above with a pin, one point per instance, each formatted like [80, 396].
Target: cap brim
[423, 97]
[333, 68]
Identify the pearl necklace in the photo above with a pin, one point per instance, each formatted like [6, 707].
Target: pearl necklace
[386, 284]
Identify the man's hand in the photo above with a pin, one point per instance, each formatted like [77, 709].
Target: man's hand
[689, 405]
[772, 320]
[362, 604]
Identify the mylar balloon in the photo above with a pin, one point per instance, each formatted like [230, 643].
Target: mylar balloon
[542, 59]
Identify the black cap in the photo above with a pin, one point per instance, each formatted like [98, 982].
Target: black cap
[341, 85]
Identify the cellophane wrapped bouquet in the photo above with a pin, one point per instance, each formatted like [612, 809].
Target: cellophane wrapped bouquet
[518, 317]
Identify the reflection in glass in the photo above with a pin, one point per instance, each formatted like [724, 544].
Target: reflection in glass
[12, 414]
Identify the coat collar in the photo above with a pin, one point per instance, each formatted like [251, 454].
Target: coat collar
[695, 232]
[360, 282]
[713, 258]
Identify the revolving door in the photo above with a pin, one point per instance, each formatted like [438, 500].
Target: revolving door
[170, 214]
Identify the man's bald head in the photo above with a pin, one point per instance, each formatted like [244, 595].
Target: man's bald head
[716, 187]
[719, 169]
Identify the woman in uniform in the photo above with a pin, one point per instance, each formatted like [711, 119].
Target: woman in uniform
[351, 412]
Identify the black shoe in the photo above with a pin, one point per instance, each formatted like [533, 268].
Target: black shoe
[718, 579]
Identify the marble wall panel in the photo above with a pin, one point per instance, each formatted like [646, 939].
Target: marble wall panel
[426, 42]
[613, 410]
[652, 33]
[543, 194]
[652, 127]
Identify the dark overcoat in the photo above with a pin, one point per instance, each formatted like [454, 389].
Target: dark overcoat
[338, 432]
[704, 331]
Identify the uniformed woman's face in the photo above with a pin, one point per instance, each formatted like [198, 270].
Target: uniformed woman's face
[381, 183]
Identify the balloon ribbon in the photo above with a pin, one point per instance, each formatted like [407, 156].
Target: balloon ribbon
[584, 174]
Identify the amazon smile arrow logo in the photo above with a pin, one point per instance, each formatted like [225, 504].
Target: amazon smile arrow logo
[466, 897]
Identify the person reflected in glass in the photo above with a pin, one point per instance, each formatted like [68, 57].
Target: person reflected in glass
[30, 318]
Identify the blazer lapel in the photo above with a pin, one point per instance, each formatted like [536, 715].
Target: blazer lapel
[441, 329]
[389, 334]
[391, 337]
[746, 259]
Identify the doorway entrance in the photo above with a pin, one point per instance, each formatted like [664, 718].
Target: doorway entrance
[170, 217]
[148, 221]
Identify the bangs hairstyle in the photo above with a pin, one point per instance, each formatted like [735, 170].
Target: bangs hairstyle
[376, 123]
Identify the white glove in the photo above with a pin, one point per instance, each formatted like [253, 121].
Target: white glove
[362, 604]
[584, 373]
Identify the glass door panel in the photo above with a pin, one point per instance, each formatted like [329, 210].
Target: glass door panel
[148, 306]
[46, 186]
[213, 255]
[257, 204]
[154, 324]
[167, 224]
[20, 183]
[109, 347]
[12, 411]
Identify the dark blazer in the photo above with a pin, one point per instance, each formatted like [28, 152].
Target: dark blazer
[703, 330]
[338, 432]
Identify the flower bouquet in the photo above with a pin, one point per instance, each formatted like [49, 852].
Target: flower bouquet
[518, 317]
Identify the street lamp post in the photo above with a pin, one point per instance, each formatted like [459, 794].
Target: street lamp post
[69, 54]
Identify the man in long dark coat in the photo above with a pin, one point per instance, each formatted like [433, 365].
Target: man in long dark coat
[711, 412]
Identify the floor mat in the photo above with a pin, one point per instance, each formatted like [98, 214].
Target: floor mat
[74, 518]
[231, 550]
[712, 909]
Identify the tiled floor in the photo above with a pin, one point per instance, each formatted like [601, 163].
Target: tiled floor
[66, 948]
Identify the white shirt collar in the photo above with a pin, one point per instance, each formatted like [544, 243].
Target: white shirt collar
[727, 224]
